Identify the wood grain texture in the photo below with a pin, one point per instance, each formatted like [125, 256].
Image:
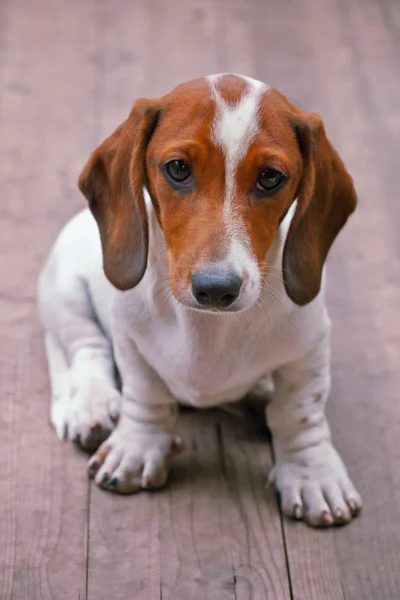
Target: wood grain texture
[355, 50]
[43, 487]
[43, 490]
[213, 533]
[69, 73]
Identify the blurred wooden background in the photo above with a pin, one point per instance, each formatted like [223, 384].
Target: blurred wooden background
[69, 72]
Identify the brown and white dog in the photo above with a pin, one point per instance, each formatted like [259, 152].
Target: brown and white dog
[201, 272]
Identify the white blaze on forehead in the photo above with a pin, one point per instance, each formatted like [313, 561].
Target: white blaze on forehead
[234, 127]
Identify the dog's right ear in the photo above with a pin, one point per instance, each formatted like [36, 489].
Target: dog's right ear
[113, 181]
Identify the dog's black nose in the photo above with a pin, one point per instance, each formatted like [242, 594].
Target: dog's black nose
[214, 288]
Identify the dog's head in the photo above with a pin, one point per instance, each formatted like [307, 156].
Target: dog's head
[223, 158]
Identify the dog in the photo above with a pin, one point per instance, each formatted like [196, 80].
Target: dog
[197, 271]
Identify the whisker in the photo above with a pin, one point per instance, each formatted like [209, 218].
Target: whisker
[263, 304]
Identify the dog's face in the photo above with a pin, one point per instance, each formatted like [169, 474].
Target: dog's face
[223, 166]
[223, 158]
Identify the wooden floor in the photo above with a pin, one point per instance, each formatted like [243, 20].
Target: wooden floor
[69, 72]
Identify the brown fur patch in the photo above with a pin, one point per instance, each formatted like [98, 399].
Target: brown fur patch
[231, 88]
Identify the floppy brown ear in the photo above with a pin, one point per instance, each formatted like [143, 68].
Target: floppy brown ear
[112, 182]
[326, 198]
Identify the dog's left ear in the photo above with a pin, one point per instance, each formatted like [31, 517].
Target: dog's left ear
[326, 198]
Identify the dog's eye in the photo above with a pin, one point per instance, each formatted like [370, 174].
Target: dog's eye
[178, 170]
[269, 180]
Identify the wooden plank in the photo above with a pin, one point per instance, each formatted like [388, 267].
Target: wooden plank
[46, 79]
[283, 53]
[43, 497]
[47, 129]
[359, 561]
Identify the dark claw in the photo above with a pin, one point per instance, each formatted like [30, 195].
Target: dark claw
[297, 511]
[147, 482]
[93, 467]
[105, 478]
[113, 482]
[340, 518]
[353, 507]
[326, 518]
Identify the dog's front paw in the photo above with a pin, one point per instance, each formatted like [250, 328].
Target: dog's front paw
[129, 461]
[92, 414]
[313, 485]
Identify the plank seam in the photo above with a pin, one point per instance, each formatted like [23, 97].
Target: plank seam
[284, 541]
[89, 497]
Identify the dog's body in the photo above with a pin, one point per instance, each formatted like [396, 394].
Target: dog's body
[166, 352]
[186, 349]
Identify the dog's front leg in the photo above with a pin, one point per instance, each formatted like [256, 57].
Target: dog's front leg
[138, 453]
[309, 474]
